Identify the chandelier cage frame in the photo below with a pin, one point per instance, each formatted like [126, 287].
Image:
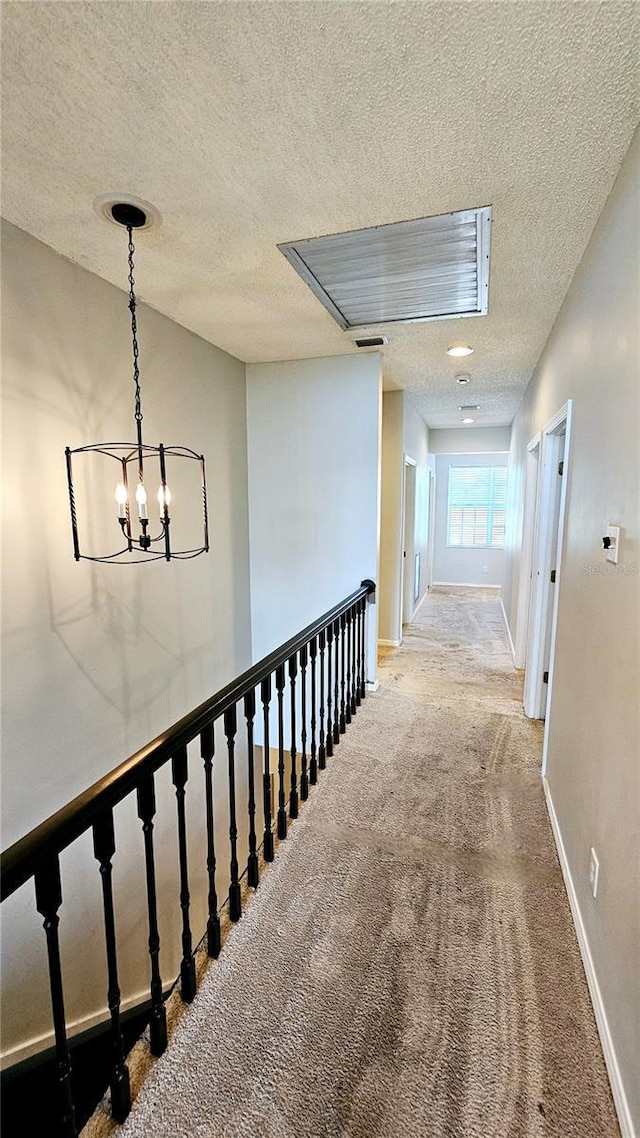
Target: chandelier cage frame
[131, 458]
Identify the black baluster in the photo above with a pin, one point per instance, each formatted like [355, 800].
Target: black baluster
[252, 861]
[363, 633]
[158, 1021]
[282, 809]
[337, 717]
[48, 901]
[343, 724]
[267, 841]
[293, 797]
[358, 679]
[313, 761]
[347, 632]
[104, 847]
[304, 777]
[180, 774]
[207, 751]
[322, 752]
[329, 741]
[353, 624]
[230, 728]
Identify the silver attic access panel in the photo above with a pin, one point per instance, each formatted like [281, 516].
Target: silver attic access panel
[433, 268]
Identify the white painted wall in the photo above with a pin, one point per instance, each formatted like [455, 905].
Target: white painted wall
[314, 490]
[98, 659]
[469, 440]
[479, 567]
[593, 739]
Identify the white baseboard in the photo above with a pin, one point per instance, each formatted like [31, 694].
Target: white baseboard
[613, 1070]
[390, 643]
[508, 631]
[43, 1042]
[452, 585]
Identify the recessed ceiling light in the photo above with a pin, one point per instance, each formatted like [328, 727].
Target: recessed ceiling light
[459, 350]
[468, 420]
[463, 378]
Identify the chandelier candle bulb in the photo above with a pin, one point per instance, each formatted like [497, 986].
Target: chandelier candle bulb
[141, 499]
[121, 499]
[164, 499]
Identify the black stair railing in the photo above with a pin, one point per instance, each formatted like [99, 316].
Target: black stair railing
[326, 668]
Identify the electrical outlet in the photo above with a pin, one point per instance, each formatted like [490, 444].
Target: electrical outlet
[594, 870]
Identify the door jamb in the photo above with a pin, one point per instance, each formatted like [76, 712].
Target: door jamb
[406, 461]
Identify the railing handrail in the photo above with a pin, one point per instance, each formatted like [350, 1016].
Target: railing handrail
[21, 860]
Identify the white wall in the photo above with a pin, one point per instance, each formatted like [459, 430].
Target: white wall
[98, 659]
[469, 440]
[479, 567]
[314, 490]
[593, 732]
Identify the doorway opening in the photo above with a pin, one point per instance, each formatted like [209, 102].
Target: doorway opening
[532, 472]
[552, 447]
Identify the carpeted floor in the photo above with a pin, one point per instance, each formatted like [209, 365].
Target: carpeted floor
[408, 967]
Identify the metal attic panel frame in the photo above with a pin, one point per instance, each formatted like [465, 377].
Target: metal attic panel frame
[433, 268]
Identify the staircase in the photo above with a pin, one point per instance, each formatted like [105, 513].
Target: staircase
[307, 692]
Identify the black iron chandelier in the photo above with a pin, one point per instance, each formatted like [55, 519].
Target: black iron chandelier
[140, 465]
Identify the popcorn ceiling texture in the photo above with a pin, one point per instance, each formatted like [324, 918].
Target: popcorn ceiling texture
[249, 124]
[408, 967]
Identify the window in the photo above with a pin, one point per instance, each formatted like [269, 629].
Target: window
[477, 506]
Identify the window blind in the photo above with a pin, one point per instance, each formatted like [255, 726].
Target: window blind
[477, 506]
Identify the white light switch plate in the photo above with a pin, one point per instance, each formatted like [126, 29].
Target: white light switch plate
[612, 553]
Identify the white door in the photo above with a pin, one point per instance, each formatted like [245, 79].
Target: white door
[546, 559]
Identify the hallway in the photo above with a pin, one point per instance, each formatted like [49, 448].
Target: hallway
[408, 967]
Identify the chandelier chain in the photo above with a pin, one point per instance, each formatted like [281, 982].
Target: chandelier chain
[134, 329]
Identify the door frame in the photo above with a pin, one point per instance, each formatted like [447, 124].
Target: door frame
[544, 601]
[407, 549]
[431, 532]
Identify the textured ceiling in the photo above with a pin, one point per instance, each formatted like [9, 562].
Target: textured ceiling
[250, 124]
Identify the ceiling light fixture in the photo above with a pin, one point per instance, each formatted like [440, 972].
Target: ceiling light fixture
[463, 378]
[141, 457]
[468, 420]
[460, 350]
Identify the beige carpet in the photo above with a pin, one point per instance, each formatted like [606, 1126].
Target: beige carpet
[408, 967]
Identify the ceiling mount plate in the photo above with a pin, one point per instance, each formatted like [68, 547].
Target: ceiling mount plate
[125, 210]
